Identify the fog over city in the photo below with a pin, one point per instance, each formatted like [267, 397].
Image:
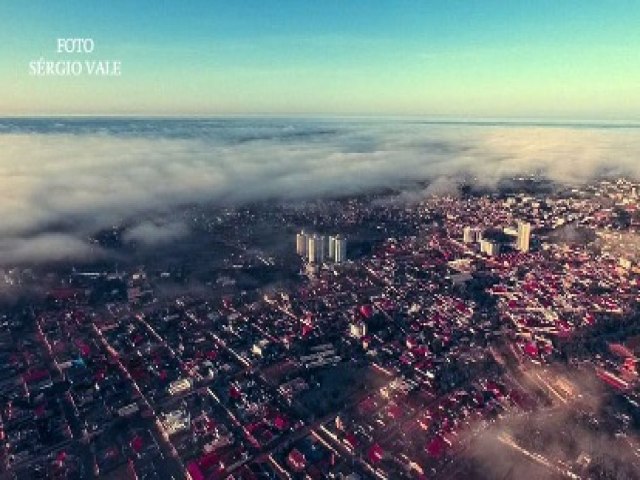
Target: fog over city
[63, 179]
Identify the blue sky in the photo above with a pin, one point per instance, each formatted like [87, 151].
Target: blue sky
[492, 58]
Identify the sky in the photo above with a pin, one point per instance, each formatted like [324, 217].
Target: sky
[434, 58]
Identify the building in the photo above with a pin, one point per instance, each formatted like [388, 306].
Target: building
[332, 247]
[484, 245]
[176, 421]
[179, 386]
[321, 248]
[311, 249]
[358, 329]
[512, 232]
[341, 249]
[301, 243]
[261, 347]
[461, 278]
[471, 234]
[468, 235]
[524, 236]
[315, 249]
[625, 263]
[493, 249]
[490, 247]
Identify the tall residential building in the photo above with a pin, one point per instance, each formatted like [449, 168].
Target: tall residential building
[332, 247]
[341, 249]
[471, 234]
[494, 249]
[312, 248]
[315, 249]
[468, 235]
[301, 243]
[490, 247]
[524, 236]
[322, 252]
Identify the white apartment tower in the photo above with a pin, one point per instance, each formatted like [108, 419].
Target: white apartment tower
[340, 249]
[468, 235]
[524, 236]
[332, 247]
[490, 247]
[301, 243]
[315, 249]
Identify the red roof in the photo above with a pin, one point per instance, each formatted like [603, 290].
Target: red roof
[234, 393]
[436, 447]
[376, 453]
[351, 440]
[494, 388]
[212, 355]
[620, 350]
[194, 471]
[84, 348]
[366, 311]
[296, 460]
[387, 304]
[394, 411]
[137, 443]
[531, 349]
[612, 380]
[209, 460]
[280, 423]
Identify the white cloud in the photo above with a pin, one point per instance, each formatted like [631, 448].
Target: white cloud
[85, 178]
[151, 233]
[50, 247]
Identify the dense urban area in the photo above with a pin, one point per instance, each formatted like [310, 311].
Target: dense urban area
[476, 334]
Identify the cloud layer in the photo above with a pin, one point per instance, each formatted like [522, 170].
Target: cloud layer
[150, 233]
[79, 175]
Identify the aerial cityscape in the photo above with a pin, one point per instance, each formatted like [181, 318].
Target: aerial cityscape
[447, 328]
[309, 240]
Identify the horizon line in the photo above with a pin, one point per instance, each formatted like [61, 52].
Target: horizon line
[418, 118]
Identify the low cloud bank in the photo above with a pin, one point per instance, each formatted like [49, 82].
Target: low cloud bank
[77, 176]
[151, 233]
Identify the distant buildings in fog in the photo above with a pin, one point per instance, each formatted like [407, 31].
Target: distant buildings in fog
[317, 248]
[492, 242]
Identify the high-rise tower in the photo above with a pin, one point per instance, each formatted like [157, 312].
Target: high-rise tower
[524, 236]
